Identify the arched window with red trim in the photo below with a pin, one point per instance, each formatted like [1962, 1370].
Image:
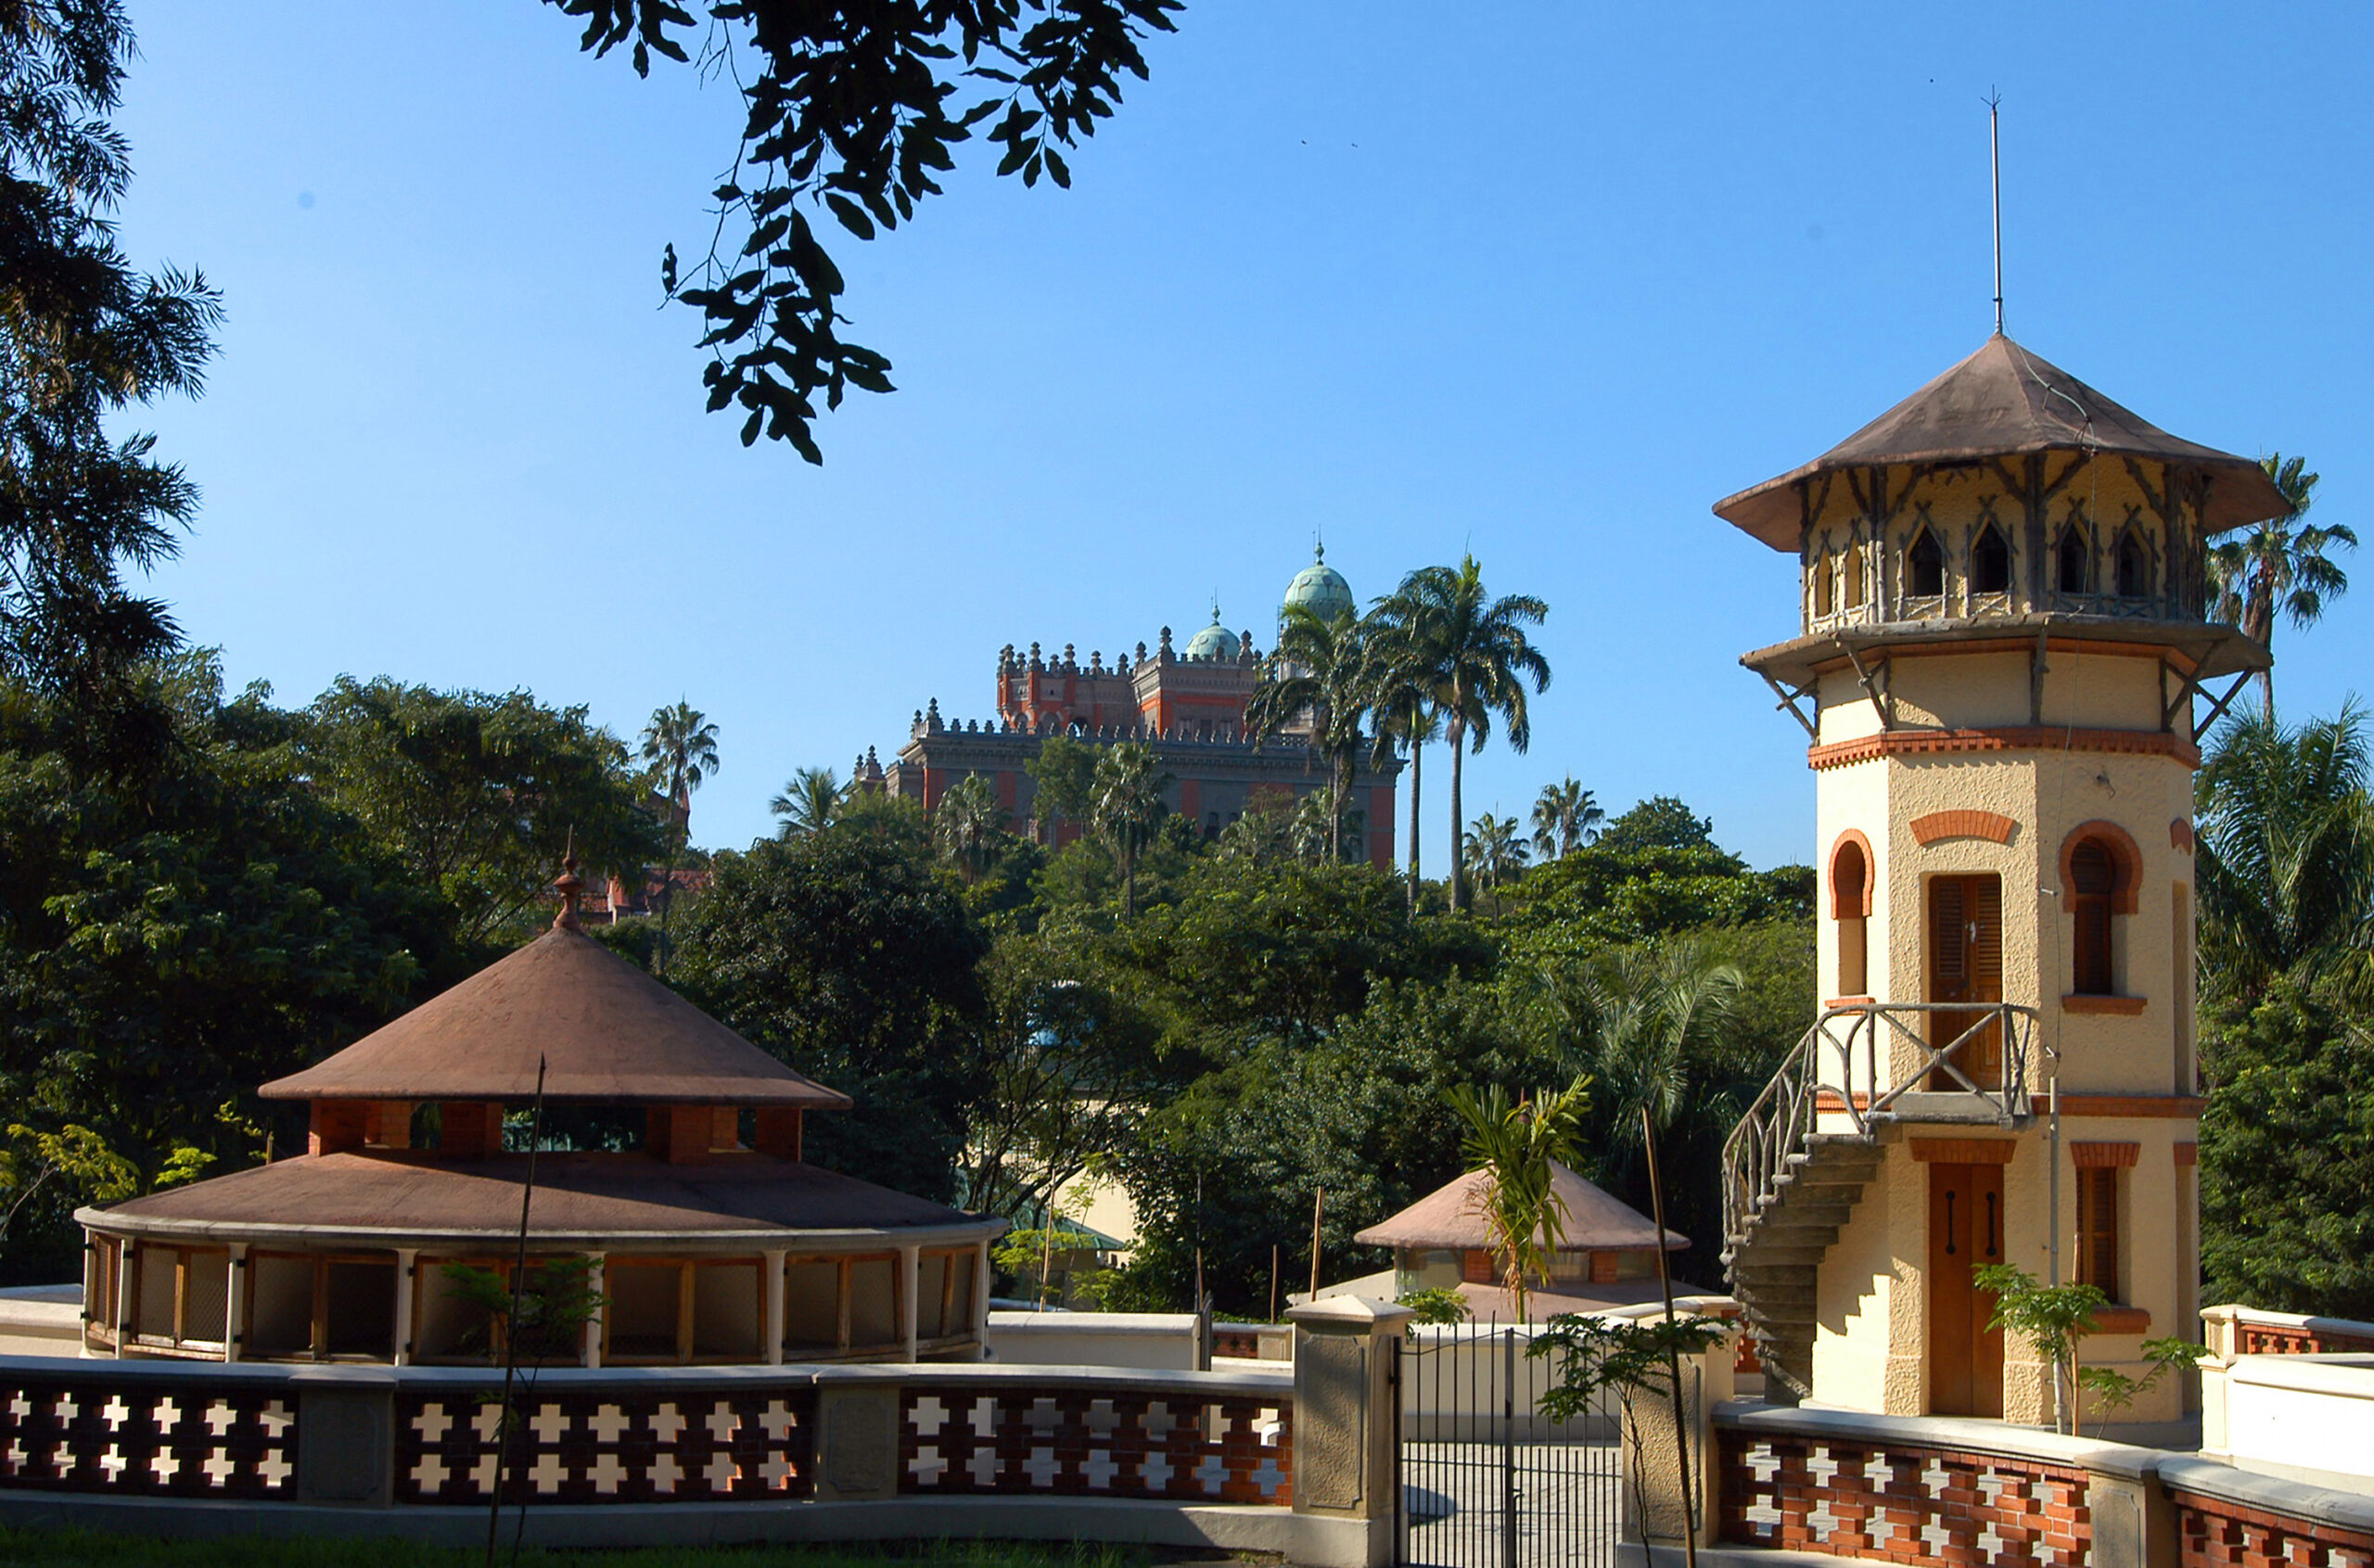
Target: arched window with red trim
[1850, 895]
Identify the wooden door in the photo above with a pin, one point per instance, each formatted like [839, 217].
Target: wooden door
[1965, 1233]
[1966, 964]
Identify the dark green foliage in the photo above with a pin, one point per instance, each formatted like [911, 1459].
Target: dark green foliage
[477, 794]
[2287, 1154]
[1654, 870]
[857, 110]
[1232, 1163]
[83, 337]
[165, 949]
[852, 956]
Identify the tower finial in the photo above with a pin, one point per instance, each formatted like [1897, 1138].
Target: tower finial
[1216, 607]
[1318, 544]
[1994, 157]
[571, 886]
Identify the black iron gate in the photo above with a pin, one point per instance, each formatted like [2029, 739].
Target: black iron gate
[1485, 1481]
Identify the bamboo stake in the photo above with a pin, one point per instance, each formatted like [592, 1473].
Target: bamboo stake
[1318, 1204]
[1673, 1355]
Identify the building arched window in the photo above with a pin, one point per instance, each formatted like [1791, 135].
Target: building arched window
[1825, 595]
[1924, 566]
[1990, 561]
[2072, 562]
[1850, 906]
[2134, 568]
[1851, 564]
[2100, 866]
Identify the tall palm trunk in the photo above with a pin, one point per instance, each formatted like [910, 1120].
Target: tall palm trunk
[1414, 750]
[1454, 732]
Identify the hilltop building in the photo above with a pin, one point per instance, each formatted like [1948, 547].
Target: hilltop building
[710, 1237]
[2004, 671]
[1188, 704]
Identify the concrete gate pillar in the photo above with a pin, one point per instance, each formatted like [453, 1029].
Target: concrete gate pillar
[1344, 1465]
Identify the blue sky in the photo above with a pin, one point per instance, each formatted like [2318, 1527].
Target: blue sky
[1540, 281]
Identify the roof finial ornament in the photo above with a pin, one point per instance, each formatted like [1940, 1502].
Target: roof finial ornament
[571, 886]
[1216, 607]
[1994, 156]
[1318, 544]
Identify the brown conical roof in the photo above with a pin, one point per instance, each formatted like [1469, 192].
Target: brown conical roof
[605, 1030]
[2005, 402]
[1452, 1216]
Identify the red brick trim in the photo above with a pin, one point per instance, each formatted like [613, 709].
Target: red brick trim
[2122, 1006]
[2180, 835]
[1993, 826]
[2001, 737]
[2187, 1154]
[1962, 1151]
[2105, 1154]
[2154, 1107]
[1848, 1001]
[2213, 1533]
[2125, 854]
[1870, 874]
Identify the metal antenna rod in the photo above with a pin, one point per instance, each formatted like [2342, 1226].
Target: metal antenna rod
[1995, 153]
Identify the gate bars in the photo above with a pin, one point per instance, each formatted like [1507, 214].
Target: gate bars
[1483, 1480]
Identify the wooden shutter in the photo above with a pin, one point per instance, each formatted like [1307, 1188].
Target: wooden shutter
[2097, 1230]
[1945, 903]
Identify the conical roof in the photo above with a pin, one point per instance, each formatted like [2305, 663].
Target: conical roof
[1452, 1216]
[605, 1030]
[2004, 402]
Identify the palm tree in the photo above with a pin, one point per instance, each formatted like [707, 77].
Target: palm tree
[1495, 850]
[1402, 713]
[1566, 818]
[1318, 675]
[967, 824]
[2285, 860]
[1126, 808]
[809, 804]
[681, 744]
[1477, 660]
[1651, 1020]
[2277, 571]
[1518, 1148]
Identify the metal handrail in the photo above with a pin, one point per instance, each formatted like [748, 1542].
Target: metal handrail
[1849, 1035]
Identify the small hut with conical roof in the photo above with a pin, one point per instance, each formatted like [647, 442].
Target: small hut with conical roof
[708, 1237]
[1606, 1254]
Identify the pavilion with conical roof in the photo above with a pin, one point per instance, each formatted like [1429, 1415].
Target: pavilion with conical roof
[707, 1236]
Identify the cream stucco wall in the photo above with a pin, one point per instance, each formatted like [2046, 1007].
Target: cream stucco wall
[2136, 1064]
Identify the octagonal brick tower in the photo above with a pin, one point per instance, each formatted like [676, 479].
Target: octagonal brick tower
[2004, 673]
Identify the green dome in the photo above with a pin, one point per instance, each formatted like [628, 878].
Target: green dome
[1320, 589]
[1213, 642]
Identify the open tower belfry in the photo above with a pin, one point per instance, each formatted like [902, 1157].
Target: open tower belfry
[2004, 673]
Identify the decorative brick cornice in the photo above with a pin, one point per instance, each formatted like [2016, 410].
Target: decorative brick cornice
[2105, 1154]
[2180, 835]
[2003, 737]
[1993, 826]
[1962, 1151]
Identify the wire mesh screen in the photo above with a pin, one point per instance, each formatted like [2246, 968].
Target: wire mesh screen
[1485, 1480]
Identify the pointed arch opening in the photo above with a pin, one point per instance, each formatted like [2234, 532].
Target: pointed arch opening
[1825, 588]
[1924, 566]
[1990, 561]
[2072, 561]
[2134, 566]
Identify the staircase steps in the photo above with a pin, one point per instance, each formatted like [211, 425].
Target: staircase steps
[1775, 1259]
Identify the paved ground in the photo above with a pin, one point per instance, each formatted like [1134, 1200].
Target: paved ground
[1565, 1504]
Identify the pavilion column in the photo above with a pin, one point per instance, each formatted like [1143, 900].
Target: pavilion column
[124, 1310]
[407, 1262]
[596, 1324]
[981, 1302]
[910, 1280]
[770, 1291]
[234, 1315]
